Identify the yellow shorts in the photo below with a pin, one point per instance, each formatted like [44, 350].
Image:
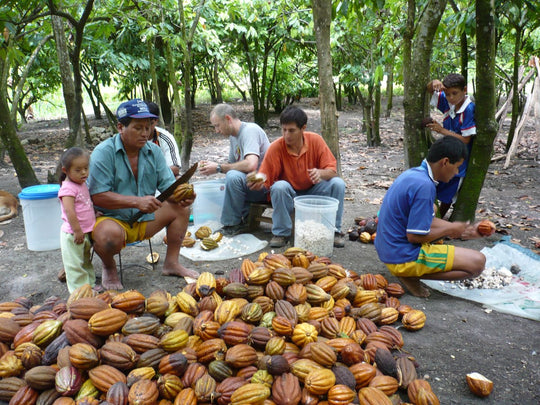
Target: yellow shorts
[431, 259]
[133, 234]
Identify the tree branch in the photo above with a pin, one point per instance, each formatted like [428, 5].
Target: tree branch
[24, 75]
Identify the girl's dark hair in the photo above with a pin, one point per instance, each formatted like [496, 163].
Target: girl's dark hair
[67, 159]
[447, 146]
[293, 114]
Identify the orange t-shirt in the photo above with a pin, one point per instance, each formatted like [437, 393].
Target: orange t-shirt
[281, 164]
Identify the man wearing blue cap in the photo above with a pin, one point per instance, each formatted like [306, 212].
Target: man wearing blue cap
[125, 172]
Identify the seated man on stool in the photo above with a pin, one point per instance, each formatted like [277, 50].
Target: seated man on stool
[248, 144]
[125, 172]
[298, 163]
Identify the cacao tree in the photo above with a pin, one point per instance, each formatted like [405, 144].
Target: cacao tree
[486, 125]
[69, 60]
[416, 140]
[16, 24]
[322, 19]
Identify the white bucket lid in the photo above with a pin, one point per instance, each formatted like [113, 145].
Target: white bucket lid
[209, 185]
[316, 201]
[40, 192]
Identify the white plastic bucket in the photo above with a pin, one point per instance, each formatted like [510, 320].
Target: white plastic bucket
[208, 205]
[315, 223]
[42, 216]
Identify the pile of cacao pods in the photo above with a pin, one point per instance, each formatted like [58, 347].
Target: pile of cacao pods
[364, 230]
[290, 328]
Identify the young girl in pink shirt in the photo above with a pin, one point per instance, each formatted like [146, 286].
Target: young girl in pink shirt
[79, 219]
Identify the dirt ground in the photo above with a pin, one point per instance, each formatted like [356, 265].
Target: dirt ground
[459, 337]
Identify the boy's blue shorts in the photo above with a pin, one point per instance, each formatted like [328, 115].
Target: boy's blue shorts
[447, 191]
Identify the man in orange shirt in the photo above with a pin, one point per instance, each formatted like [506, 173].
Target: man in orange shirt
[298, 163]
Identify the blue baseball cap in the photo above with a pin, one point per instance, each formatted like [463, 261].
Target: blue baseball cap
[135, 108]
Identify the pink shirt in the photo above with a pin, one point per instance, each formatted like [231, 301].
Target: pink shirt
[84, 208]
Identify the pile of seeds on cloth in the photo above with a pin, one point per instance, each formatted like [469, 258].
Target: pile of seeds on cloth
[491, 278]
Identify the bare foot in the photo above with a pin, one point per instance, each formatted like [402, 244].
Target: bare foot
[97, 288]
[179, 271]
[110, 280]
[415, 286]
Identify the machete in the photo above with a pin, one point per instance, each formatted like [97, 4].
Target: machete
[169, 191]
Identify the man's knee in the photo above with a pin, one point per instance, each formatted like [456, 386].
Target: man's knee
[108, 236]
[109, 243]
[235, 177]
[280, 186]
[337, 184]
[479, 263]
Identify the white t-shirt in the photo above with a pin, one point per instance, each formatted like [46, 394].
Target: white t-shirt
[165, 140]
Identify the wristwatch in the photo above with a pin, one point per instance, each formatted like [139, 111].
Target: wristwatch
[218, 168]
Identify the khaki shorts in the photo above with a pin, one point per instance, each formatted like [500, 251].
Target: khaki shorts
[431, 259]
[133, 234]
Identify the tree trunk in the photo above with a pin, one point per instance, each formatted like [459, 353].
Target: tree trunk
[486, 124]
[515, 82]
[177, 105]
[389, 89]
[76, 101]
[257, 90]
[187, 141]
[11, 142]
[339, 96]
[111, 117]
[464, 51]
[242, 92]
[154, 76]
[377, 115]
[68, 84]
[464, 56]
[189, 74]
[18, 93]
[163, 86]
[416, 141]
[217, 82]
[322, 18]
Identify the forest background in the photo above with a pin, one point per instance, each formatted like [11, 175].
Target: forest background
[271, 53]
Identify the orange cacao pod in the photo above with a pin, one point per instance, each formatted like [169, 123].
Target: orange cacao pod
[286, 390]
[186, 397]
[104, 376]
[83, 356]
[131, 301]
[340, 395]
[143, 392]
[107, 322]
[486, 227]
[414, 320]
[363, 374]
[241, 355]
[84, 308]
[320, 381]
[373, 396]
[226, 388]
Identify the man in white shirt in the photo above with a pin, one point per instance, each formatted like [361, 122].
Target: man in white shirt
[165, 140]
[248, 144]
